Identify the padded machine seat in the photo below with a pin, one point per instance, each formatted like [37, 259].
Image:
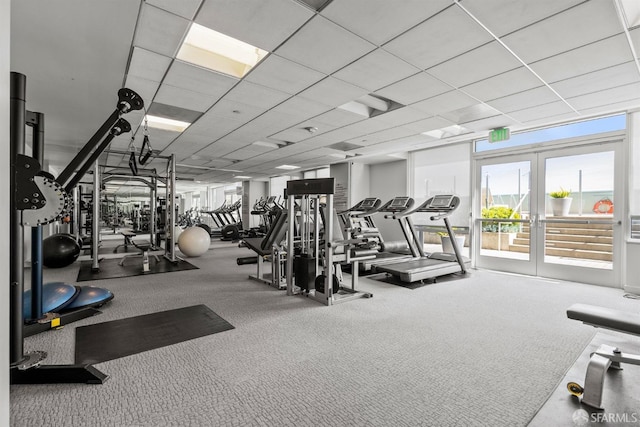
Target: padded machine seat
[607, 318]
[605, 356]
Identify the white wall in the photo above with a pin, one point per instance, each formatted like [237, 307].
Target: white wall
[360, 185]
[340, 172]
[443, 170]
[251, 191]
[632, 280]
[389, 180]
[4, 212]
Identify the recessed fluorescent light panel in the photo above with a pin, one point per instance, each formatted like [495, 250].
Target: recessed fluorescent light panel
[631, 11]
[166, 124]
[288, 167]
[267, 144]
[447, 132]
[242, 177]
[218, 52]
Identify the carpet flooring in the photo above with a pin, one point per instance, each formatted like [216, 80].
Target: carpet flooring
[486, 350]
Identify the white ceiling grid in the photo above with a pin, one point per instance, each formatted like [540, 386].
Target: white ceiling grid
[432, 57]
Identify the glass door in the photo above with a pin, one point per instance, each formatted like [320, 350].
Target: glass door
[578, 225]
[551, 214]
[504, 213]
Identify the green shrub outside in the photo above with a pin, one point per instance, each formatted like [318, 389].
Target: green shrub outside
[500, 212]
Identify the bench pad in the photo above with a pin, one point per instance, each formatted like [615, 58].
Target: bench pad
[607, 318]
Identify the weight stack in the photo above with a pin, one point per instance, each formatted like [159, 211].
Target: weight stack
[304, 271]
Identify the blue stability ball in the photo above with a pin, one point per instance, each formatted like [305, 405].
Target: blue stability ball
[59, 250]
[55, 296]
[90, 296]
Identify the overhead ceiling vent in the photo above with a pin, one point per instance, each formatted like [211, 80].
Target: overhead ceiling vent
[344, 146]
[371, 105]
[173, 112]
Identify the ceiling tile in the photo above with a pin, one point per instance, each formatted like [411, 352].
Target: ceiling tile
[449, 101]
[338, 117]
[529, 98]
[184, 98]
[294, 134]
[413, 89]
[578, 26]
[226, 109]
[148, 65]
[602, 54]
[376, 70]
[383, 135]
[598, 80]
[438, 39]
[541, 112]
[400, 116]
[145, 88]
[504, 17]
[198, 79]
[380, 20]
[324, 46]
[301, 107]
[283, 75]
[213, 127]
[504, 84]
[481, 63]
[159, 31]
[185, 8]
[608, 96]
[333, 92]
[489, 123]
[431, 123]
[247, 152]
[256, 95]
[471, 113]
[265, 24]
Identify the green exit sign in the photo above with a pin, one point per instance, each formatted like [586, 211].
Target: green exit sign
[501, 134]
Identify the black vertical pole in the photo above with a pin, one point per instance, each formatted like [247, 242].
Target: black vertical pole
[16, 258]
[36, 232]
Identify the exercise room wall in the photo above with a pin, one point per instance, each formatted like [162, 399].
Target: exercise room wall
[389, 180]
[632, 271]
[5, 27]
[445, 169]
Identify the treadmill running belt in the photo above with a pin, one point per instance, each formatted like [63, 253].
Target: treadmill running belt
[119, 338]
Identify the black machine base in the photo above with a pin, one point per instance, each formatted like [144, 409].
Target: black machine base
[58, 374]
[58, 322]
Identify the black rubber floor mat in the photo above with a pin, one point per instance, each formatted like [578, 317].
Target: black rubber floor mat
[119, 338]
[109, 268]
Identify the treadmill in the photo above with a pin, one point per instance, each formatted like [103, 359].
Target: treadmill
[429, 266]
[390, 251]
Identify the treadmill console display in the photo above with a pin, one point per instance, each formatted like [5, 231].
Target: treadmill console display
[368, 203]
[399, 202]
[443, 201]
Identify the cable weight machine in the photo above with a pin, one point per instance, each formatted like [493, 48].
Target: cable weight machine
[37, 200]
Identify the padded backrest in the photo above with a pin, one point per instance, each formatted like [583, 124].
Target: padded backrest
[277, 231]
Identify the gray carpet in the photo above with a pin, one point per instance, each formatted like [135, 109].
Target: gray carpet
[486, 350]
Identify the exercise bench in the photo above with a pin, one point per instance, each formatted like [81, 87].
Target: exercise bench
[605, 356]
[144, 248]
[128, 240]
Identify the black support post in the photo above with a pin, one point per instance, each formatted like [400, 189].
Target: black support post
[36, 121]
[16, 273]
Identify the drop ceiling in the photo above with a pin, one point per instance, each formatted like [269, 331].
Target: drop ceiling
[479, 64]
